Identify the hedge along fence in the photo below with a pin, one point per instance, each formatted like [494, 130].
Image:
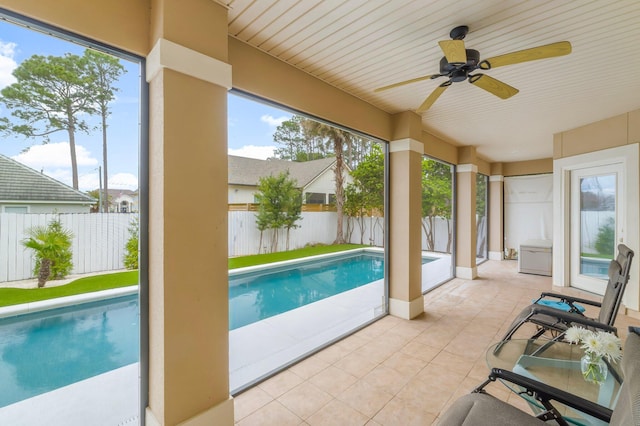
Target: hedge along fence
[99, 241]
[315, 227]
[100, 238]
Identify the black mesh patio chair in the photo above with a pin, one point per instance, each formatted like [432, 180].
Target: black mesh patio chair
[557, 321]
[481, 409]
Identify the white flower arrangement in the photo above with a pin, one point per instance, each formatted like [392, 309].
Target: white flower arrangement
[596, 343]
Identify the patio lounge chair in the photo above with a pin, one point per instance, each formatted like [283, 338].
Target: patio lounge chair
[480, 408]
[559, 320]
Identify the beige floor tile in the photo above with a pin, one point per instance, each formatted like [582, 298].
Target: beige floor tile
[365, 398]
[387, 379]
[404, 363]
[377, 351]
[420, 350]
[337, 413]
[453, 362]
[249, 401]
[333, 380]
[333, 353]
[305, 399]
[309, 367]
[405, 413]
[271, 414]
[281, 383]
[357, 364]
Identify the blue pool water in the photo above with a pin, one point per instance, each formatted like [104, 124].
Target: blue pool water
[597, 268]
[44, 351]
[254, 296]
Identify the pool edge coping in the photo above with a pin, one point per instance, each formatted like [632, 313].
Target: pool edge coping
[60, 302]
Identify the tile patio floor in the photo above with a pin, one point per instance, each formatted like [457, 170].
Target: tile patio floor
[398, 372]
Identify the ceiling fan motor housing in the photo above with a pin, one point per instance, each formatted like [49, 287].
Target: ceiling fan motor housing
[473, 58]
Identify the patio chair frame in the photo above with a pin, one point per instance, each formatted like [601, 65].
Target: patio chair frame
[557, 321]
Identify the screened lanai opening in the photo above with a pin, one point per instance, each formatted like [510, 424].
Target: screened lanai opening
[438, 222]
[306, 236]
[70, 322]
[482, 218]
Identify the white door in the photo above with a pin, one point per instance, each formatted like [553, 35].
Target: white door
[597, 224]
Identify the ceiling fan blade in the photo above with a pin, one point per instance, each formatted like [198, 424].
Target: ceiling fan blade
[402, 83]
[491, 85]
[454, 51]
[433, 97]
[560, 48]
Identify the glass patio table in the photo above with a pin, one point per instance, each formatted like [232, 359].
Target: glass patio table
[556, 364]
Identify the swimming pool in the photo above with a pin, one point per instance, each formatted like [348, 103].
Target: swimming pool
[43, 351]
[256, 295]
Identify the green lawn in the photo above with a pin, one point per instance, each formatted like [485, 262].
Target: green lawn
[260, 259]
[15, 296]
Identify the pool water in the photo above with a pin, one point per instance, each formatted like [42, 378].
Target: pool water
[595, 267]
[254, 296]
[44, 351]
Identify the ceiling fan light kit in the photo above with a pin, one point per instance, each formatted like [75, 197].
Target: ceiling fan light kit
[459, 62]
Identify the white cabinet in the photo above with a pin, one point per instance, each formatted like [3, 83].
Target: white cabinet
[535, 257]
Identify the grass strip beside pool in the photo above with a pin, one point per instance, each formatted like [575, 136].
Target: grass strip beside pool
[15, 296]
[261, 259]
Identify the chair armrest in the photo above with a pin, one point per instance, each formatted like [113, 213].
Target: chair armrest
[570, 299]
[572, 317]
[544, 392]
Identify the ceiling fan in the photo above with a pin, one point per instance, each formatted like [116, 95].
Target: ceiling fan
[458, 63]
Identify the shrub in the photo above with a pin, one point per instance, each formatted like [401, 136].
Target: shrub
[606, 239]
[52, 246]
[131, 248]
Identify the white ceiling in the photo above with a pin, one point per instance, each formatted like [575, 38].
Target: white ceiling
[359, 45]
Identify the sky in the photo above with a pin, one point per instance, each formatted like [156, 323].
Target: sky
[250, 124]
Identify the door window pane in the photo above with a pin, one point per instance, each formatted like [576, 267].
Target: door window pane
[597, 224]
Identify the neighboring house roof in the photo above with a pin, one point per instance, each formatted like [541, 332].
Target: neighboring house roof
[21, 183]
[247, 171]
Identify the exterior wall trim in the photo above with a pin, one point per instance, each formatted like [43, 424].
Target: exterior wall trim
[167, 54]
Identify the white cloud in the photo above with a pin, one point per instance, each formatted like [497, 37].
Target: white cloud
[54, 155]
[7, 64]
[123, 181]
[273, 121]
[252, 151]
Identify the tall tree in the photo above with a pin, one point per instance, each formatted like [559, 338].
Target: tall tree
[290, 135]
[436, 199]
[304, 139]
[104, 70]
[365, 196]
[338, 139]
[50, 95]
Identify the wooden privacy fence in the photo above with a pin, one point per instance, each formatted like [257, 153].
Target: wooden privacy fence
[98, 241]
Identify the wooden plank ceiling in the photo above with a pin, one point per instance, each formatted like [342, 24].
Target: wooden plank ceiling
[359, 45]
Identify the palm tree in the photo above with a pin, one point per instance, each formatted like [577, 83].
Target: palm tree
[339, 139]
[52, 245]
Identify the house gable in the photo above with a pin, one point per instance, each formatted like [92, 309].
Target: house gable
[20, 184]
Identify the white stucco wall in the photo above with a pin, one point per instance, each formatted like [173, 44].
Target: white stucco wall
[241, 194]
[325, 183]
